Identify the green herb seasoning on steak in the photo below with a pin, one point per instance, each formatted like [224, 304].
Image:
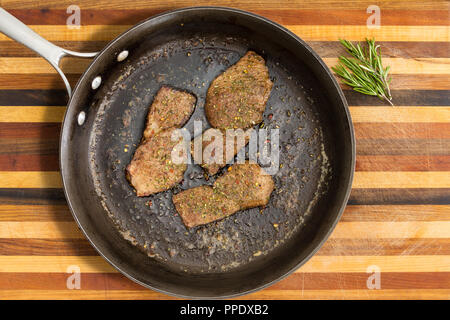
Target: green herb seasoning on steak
[243, 186]
[206, 152]
[152, 170]
[237, 98]
[202, 205]
[171, 108]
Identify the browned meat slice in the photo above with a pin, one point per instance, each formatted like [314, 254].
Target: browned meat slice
[247, 184]
[203, 205]
[237, 98]
[152, 170]
[244, 186]
[207, 152]
[171, 108]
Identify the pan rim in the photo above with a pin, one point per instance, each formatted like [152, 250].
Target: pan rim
[336, 87]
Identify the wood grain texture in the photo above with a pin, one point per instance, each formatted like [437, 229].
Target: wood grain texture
[344, 247]
[58, 97]
[242, 4]
[362, 179]
[370, 114]
[297, 16]
[345, 230]
[317, 264]
[363, 294]
[399, 208]
[325, 49]
[414, 66]
[352, 213]
[306, 32]
[306, 281]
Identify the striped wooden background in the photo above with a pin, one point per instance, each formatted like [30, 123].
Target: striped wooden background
[398, 217]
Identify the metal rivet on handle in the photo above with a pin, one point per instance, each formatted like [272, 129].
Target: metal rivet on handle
[81, 118]
[96, 82]
[122, 56]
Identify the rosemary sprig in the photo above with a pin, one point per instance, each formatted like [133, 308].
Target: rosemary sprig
[364, 71]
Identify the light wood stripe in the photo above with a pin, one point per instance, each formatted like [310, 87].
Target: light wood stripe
[20, 65]
[42, 230]
[386, 230]
[306, 32]
[353, 213]
[404, 114]
[362, 179]
[405, 179]
[32, 114]
[410, 66]
[267, 294]
[394, 294]
[96, 264]
[30, 179]
[243, 4]
[400, 114]
[396, 213]
[360, 33]
[344, 230]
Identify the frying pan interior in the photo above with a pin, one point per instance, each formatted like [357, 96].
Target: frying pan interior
[144, 238]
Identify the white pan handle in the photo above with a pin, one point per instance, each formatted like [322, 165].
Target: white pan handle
[16, 30]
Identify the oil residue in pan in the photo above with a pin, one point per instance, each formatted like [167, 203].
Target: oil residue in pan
[152, 223]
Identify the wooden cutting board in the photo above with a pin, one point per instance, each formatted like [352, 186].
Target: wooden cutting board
[397, 221]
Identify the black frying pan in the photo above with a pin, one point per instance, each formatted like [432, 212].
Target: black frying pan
[144, 238]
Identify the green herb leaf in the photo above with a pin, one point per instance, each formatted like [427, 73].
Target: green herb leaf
[364, 71]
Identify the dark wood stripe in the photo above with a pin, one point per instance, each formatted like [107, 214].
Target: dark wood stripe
[41, 130]
[35, 97]
[50, 162]
[333, 247]
[428, 147]
[399, 196]
[402, 163]
[402, 98]
[325, 49]
[53, 81]
[30, 97]
[395, 213]
[29, 146]
[288, 17]
[29, 162]
[33, 196]
[437, 196]
[298, 281]
[392, 49]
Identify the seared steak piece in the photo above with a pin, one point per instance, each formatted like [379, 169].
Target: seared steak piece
[237, 98]
[202, 205]
[247, 184]
[152, 170]
[171, 108]
[243, 186]
[206, 152]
